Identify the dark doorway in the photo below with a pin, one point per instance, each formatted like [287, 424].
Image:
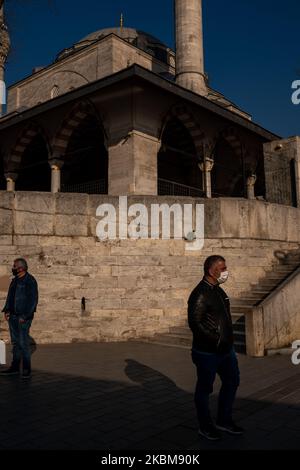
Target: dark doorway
[178, 171]
[34, 173]
[85, 168]
[293, 182]
[228, 179]
[2, 176]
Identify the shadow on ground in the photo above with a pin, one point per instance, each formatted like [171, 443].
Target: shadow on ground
[57, 411]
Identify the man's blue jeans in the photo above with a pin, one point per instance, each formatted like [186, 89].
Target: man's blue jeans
[19, 333]
[208, 365]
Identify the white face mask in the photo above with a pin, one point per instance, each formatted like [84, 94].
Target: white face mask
[223, 277]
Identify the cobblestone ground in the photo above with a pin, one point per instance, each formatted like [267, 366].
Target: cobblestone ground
[140, 396]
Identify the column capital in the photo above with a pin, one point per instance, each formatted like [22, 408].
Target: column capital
[251, 180]
[56, 163]
[10, 181]
[207, 165]
[11, 175]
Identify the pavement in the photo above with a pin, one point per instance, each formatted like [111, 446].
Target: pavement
[139, 396]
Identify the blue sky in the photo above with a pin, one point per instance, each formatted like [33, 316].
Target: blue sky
[252, 52]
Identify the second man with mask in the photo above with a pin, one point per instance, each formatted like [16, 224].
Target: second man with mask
[19, 310]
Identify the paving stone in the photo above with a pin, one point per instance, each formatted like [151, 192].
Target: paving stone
[65, 407]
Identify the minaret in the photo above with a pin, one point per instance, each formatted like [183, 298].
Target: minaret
[189, 46]
[4, 50]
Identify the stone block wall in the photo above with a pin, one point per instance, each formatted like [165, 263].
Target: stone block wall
[278, 157]
[106, 57]
[132, 288]
[280, 315]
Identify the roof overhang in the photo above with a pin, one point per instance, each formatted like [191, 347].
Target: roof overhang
[135, 71]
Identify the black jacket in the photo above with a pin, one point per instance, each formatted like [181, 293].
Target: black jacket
[22, 297]
[210, 319]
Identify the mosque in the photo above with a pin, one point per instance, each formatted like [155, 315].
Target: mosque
[120, 113]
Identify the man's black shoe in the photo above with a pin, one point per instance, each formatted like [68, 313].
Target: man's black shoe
[10, 371]
[230, 428]
[26, 374]
[209, 432]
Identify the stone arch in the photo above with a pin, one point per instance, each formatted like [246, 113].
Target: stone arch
[73, 119]
[81, 147]
[180, 153]
[28, 162]
[2, 171]
[185, 116]
[233, 138]
[228, 174]
[26, 136]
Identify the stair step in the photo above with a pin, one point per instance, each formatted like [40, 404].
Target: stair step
[239, 333]
[285, 269]
[238, 302]
[238, 309]
[260, 291]
[237, 326]
[270, 283]
[180, 330]
[266, 283]
[240, 326]
[240, 347]
[162, 343]
[173, 339]
[255, 293]
[240, 338]
[237, 316]
[279, 278]
[241, 308]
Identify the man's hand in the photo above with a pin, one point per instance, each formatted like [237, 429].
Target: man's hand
[7, 315]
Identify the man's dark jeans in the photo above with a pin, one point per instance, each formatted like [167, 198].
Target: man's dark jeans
[208, 365]
[19, 333]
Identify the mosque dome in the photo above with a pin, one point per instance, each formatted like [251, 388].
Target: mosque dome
[140, 39]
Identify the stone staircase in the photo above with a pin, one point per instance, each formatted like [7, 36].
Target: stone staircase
[181, 336]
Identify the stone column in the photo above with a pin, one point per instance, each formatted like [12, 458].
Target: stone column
[4, 50]
[10, 181]
[251, 180]
[189, 46]
[56, 166]
[206, 167]
[133, 165]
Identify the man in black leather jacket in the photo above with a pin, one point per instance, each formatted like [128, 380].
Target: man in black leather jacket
[19, 308]
[213, 351]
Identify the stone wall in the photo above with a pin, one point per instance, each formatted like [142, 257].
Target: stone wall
[277, 319]
[132, 288]
[278, 156]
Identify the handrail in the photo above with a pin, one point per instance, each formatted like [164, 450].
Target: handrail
[180, 184]
[278, 288]
[183, 187]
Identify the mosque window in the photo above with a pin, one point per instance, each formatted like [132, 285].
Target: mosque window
[54, 91]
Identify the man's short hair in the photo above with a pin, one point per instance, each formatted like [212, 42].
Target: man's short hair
[210, 261]
[22, 262]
